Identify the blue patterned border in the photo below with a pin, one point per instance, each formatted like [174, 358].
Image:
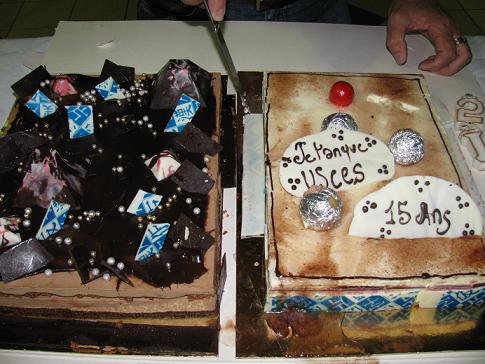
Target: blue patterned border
[346, 303]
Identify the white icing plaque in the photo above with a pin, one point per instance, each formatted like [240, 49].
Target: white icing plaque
[336, 158]
[416, 207]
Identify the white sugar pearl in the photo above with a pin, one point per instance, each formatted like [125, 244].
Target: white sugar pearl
[145, 118]
[205, 170]
[140, 122]
[149, 125]
[76, 226]
[91, 213]
[58, 240]
[110, 261]
[106, 276]
[196, 210]
[179, 189]
[119, 169]
[93, 253]
[27, 210]
[69, 262]
[188, 200]
[168, 265]
[47, 82]
[67, 240]
[206, 159]
[121, 209]
[120, 265]
[48, 272]
[26, 223]
[42, 84]
[91, 261]
[96, 272]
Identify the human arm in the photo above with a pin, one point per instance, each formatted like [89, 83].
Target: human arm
[429, 19]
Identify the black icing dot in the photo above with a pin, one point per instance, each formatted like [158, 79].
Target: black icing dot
[382, 236]
[379, 171]
[386, 172]
[369, 145]
[460, 205]
[372, 116]
[467, 225]
[472, 232]
[374, 142]
[388, 232]
[285, 165]
[293, 187]
[367, 139]
[384, 166]
[340, 131]
[365, 209]
[334, 136]
[458, 198]
[290, 180]
[465, 233]
[426, 183]
[382, 230]
[416, 182]
[420, 189]
[340, 137]
[373, 205]
[297, 181]
[367, 202]
[467, 204]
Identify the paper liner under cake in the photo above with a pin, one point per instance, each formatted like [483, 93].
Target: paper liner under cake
[304, 263]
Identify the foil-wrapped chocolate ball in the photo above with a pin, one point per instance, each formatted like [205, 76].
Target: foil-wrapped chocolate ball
[407, 146]
[339, 120]
[320, 208]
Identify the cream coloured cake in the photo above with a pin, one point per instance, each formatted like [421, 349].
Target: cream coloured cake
[410, 234]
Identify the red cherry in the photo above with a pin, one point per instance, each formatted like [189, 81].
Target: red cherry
[341, 93]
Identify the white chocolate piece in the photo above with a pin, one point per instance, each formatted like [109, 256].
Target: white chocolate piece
[340, 159]
[414, 207]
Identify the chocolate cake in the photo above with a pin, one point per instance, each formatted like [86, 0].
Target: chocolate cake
[409, 235]
[110, 201]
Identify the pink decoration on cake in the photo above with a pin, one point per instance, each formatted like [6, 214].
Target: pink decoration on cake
[63, 86]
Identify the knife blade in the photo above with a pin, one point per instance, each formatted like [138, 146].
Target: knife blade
[224, 50]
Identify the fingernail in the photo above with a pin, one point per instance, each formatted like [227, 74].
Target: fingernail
[218, 14]
[399, 58]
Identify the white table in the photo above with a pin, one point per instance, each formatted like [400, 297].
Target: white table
[82, 47]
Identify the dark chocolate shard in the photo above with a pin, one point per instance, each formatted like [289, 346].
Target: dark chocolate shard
[50, 176]
[177, 77]
[24, 258]
[173, 267]
[80, 259]
[17, 146]
[122, 74]
[117, 272]
[190, 235]
[222, 279]
[30, 83]
[194, 140]
[192, 179]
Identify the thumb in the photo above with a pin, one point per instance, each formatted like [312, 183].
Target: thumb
[217, 9]
[396, 42]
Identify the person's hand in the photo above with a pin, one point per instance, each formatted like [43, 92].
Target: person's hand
[427, 17]
[216, 7]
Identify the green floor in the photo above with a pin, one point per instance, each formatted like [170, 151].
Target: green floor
[36, 18]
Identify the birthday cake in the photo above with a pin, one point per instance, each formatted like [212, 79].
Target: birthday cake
[370, 213]
[110, 200]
